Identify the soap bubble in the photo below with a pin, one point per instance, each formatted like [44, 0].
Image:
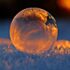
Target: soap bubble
[33, 31]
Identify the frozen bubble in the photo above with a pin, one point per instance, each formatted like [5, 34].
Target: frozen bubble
[33, 31]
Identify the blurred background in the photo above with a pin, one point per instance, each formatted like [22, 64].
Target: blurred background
[60, 9]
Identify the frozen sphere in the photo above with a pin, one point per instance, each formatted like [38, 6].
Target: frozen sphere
[33, 31]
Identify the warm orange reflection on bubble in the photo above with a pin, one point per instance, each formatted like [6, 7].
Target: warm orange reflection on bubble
[62, 46]
[64, 4]
[33, 31]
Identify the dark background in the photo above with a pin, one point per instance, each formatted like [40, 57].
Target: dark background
[9, 8]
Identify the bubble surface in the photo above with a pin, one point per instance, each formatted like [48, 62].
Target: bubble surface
[33, 31]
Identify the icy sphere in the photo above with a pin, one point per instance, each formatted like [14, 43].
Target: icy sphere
[33, 31]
